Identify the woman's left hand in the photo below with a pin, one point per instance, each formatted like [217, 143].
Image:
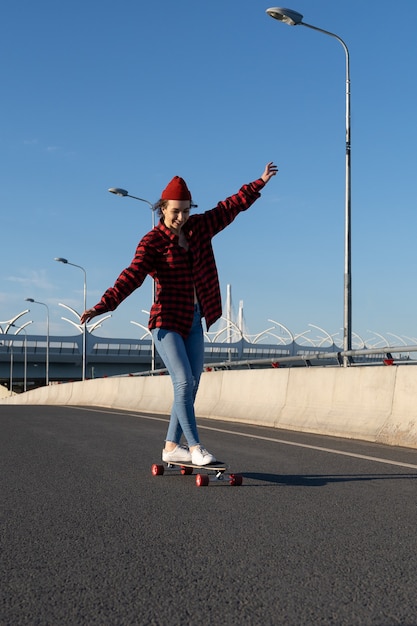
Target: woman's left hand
[270, 171]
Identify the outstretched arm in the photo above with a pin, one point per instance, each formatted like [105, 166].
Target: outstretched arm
[270, 171]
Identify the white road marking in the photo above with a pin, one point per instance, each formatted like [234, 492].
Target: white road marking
[261, 438]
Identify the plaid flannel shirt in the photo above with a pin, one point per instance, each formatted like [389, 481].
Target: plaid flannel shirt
[176, 271]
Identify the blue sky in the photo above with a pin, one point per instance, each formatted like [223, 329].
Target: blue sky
[129, 94]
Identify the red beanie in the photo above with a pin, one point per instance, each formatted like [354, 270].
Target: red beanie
[176, 190]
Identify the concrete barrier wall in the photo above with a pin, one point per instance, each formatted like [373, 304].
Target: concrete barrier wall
[371, 403]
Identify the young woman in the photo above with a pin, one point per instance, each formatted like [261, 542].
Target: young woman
[178, 254]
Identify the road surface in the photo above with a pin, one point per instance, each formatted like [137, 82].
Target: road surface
[323, 530]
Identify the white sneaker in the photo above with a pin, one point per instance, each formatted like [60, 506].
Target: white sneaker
[200, 456]
[180, 454]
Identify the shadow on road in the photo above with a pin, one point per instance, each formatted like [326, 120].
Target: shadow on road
[317, 480]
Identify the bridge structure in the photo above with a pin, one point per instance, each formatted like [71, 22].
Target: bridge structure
[24, 358]
[29, 360]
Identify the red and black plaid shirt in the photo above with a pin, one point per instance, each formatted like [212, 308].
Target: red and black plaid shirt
[177, 271]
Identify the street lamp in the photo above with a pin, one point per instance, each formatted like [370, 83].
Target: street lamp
[66, 262]
[25, 366]
[10, 323]
[123, 193]
[287, 16]
[47, 337]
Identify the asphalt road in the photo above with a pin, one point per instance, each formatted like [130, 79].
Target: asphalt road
[323, 530]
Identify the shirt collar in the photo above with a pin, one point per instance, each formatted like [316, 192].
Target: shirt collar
[186, 230]
[161, 226]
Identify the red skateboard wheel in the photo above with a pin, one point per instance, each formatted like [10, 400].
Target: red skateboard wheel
[157, 470]
[202, 480]
[236, 480]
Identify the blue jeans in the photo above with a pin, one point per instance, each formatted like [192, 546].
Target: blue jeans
[184, 359]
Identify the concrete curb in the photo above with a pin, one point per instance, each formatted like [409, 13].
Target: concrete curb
[376, 403]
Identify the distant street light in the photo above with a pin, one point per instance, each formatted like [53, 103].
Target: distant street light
[66, 262]
[12, 321]
[287, 16]
[4, 331]
[123, 193]
[11, 367]
[47, 337]
[25, 366]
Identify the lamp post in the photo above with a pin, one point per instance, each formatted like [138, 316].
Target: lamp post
[11, 367]
[123, 193]
[25, 366]
[66, 262]
[287, 16]
[10, 323]
[47, 337]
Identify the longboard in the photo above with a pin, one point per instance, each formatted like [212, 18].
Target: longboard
[217, 468]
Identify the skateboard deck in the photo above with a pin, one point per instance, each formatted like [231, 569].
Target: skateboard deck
[218, 468]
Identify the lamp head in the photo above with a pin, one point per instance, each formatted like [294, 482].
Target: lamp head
[118, 192]
[61, 260]
[29, 300]
[285, 15]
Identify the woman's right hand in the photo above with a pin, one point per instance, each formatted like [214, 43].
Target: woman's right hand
[88, 315]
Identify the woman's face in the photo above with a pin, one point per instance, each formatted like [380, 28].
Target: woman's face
[176, 213]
